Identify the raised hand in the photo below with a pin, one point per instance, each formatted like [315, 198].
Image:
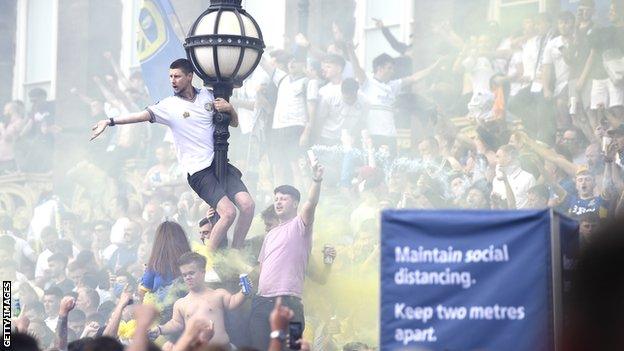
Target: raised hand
[99, 128]
[67, 304]
[280, 316]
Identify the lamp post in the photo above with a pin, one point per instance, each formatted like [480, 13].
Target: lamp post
[224, 46]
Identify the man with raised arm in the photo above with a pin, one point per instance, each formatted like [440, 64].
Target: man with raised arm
[189, 115]
[284, 258]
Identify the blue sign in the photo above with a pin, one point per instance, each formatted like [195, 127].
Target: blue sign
[467, 280]
[157, 46]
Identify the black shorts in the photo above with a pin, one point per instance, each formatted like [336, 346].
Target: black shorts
[206, 185]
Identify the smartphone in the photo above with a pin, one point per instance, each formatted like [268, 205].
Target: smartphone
[295, 332]
[312, 157]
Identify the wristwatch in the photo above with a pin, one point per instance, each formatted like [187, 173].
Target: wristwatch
[278, 334]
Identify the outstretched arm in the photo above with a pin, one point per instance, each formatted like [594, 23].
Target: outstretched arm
[360, 75]
[416, 76]
[307, 213]
[136, 117]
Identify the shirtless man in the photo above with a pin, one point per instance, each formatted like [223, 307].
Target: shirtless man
[201, 299]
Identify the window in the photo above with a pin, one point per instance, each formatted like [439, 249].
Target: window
[36, 47]
[511, 13]
[396, 15]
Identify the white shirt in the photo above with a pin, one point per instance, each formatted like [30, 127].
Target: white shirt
[381, 97]
[336, 115]
[480, 70]
[192, 128]
[51, 323]
[44, 215]
[117, 230]
[530, 50]
[554, 56]
[520, 182]
[292, 97]
[42, 263]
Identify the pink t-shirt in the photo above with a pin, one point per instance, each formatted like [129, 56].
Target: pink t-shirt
[284, 258]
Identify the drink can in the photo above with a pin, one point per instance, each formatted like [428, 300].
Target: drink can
[18, 308]
[573, 105]
[327, 258]
[245, 283]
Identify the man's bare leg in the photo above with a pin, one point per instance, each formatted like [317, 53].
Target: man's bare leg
[246, 206]
[227, 214]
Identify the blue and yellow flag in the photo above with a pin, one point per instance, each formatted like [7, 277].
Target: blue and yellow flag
[157, 46]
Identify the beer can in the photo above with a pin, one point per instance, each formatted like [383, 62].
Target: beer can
[327, 258]
[573, 105]
[245, 283]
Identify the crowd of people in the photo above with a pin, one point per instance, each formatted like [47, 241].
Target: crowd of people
[533, 119]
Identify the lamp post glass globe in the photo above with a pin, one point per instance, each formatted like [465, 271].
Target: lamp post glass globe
[224, 46]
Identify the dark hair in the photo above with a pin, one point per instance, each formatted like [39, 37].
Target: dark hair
[37, 92]
[281, 56]
[212, 220]
[169, 244]
[381, 60]
[268, 213]
[89, 280]
[288, 190]
[349, 86]
[183, 64]
[62, 246]
[86, 257]
[58, 257]
[334, 59]
[24, 342]
[104, 343]
[78, 345]
[192, 258]
[94, 297]
[55, 291]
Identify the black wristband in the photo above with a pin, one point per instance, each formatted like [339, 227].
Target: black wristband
[112, 122]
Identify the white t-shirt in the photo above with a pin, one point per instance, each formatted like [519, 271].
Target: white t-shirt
[335, 114]
[554, 56]
[480, 70]
[192, 128]
[292, 97]
[530, 51]
[381, 97]
[515, 65]
[520, 181]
